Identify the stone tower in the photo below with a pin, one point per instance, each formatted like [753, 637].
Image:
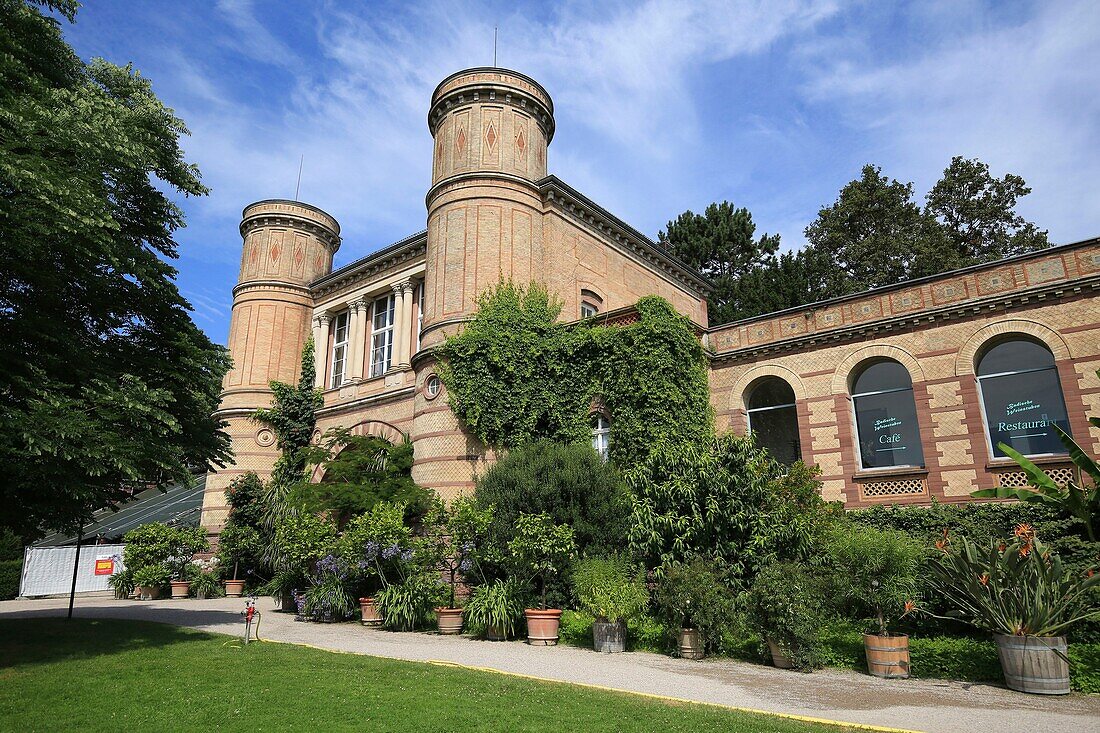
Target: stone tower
[287, 245]
[491, 128]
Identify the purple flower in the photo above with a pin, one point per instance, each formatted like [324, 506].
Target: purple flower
[371, 550]
[391, 552]
[407, 556]
[467, 548]
[466, 564]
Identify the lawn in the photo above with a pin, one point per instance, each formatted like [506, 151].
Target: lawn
[129, 675]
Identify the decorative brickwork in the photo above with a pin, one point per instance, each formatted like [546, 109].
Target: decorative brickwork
[872, 490]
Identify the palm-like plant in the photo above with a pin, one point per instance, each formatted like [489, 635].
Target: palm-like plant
[1016, 588]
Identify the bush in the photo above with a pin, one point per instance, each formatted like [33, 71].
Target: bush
[239, 544]
[409, 604]
[245, 497]
[643, 633]
[787, 604]
[497, 605]
[569, 483]
[876, 572]
[11, 545]
[541, 550]
[729, 500]
[10, 573]
[152, 576]
[693, 595]
[157, 544]
[610, 588]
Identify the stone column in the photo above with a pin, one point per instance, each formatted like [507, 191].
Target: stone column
[359, 311]
[403, 321]
[320, 348]
[399, 324]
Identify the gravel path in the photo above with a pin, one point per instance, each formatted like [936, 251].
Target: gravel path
[925, 705]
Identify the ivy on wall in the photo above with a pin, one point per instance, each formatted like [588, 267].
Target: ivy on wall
[516, 374]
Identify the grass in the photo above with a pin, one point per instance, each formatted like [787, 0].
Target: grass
[83, 674]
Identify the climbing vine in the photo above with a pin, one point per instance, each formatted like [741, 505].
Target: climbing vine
[516, 374]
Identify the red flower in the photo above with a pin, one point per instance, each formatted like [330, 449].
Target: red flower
[1025, 532]
[984, 579]
[943, 542]
[909, 606]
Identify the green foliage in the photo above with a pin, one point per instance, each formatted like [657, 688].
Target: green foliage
[721, 245]
[11, 545]
[359, 472]
[876, 571]
[328, 599]
[611, 588]
[159, 544]
[541, 548]
[515, 374]
[245, 495]
[725, 499]
[238, 544]
[955, 658]
[408, 604]
[122, 583]
[303, 539]
[152, 576]
[106, 385]
[10, 573]
[457, 534]
[787, 603]
[693, 596]
[368, 539]
[1082, 502]
[497, 605]
[1019, 587]
[206, 585]
[568, 482]
[643, 633]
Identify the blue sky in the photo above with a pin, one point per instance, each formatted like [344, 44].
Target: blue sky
[660, 106]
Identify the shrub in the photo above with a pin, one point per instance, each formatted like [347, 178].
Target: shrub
[693, 595]
[152, 576]
[497, 605]
[245, 497]
[328, 597]
[727, 499]
[542, 549]
[10, 573]
[159, 544]
[122, 583]
[643, 633]
[569, 483]
[303, 539]
[457, 534]
[239, 544]
[11, 545]
[787, 604]
[610, 588]
[408, 604]
[876, 571]
[205, 584]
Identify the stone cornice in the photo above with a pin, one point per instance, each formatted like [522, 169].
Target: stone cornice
[470, 178]
[894, 324]
[262, 219]
[374, 399]
[269, 286]
[591, 215]
[490, 84]
[406, 250]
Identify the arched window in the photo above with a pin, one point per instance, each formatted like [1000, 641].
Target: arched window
[769, 405]
[601, 432]
[886, 416]
[1021, 398]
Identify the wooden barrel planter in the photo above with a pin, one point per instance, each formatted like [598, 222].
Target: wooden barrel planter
[779, 657]
[887, 656]
[1035, 664]
[691, 644]
[608, 636]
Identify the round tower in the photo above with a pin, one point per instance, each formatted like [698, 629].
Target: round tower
[491, 128]
[287, 245]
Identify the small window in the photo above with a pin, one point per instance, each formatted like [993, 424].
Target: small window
[432, 386]
[886, 417]
[382, 336]
[601, 432]
[1022, 398]
[773, 419]
[339, 348]
[588, 309]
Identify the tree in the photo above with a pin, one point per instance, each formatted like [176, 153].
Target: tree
[785, 281]
[979, 215]
[106, 386]
[873, 233]
[722, 245]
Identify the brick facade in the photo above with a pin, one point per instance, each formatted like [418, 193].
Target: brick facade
[493, 211]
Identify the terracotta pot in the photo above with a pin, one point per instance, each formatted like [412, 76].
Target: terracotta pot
[779, 657]
[234, 588]
[691, 644]
[372, 615]
[148, 592]
[180, 589]
[542, 626]
[1035, 664]
[887, 656]
[608, 636]
[450, 620]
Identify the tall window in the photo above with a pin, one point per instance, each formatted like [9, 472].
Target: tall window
[1022, 398]
[381, 340]
[339, 348]
[601, 432]
[773, 419]
[419, 314]
[886, 417]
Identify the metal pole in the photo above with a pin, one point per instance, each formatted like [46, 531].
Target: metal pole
[76, 568]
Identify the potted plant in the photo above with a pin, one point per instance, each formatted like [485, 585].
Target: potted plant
[876, 572]
[612, 590]
[122, 583]
[150, 581]
[458, 532]
[205, 585]
[787, 605]
[183, 544]
[541, 549]
[694, 601]
[372, 543]
[1018, 591]
[236, 542]
[328, 599]
[493, 609]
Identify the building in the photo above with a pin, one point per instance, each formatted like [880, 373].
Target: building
[900, 394]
